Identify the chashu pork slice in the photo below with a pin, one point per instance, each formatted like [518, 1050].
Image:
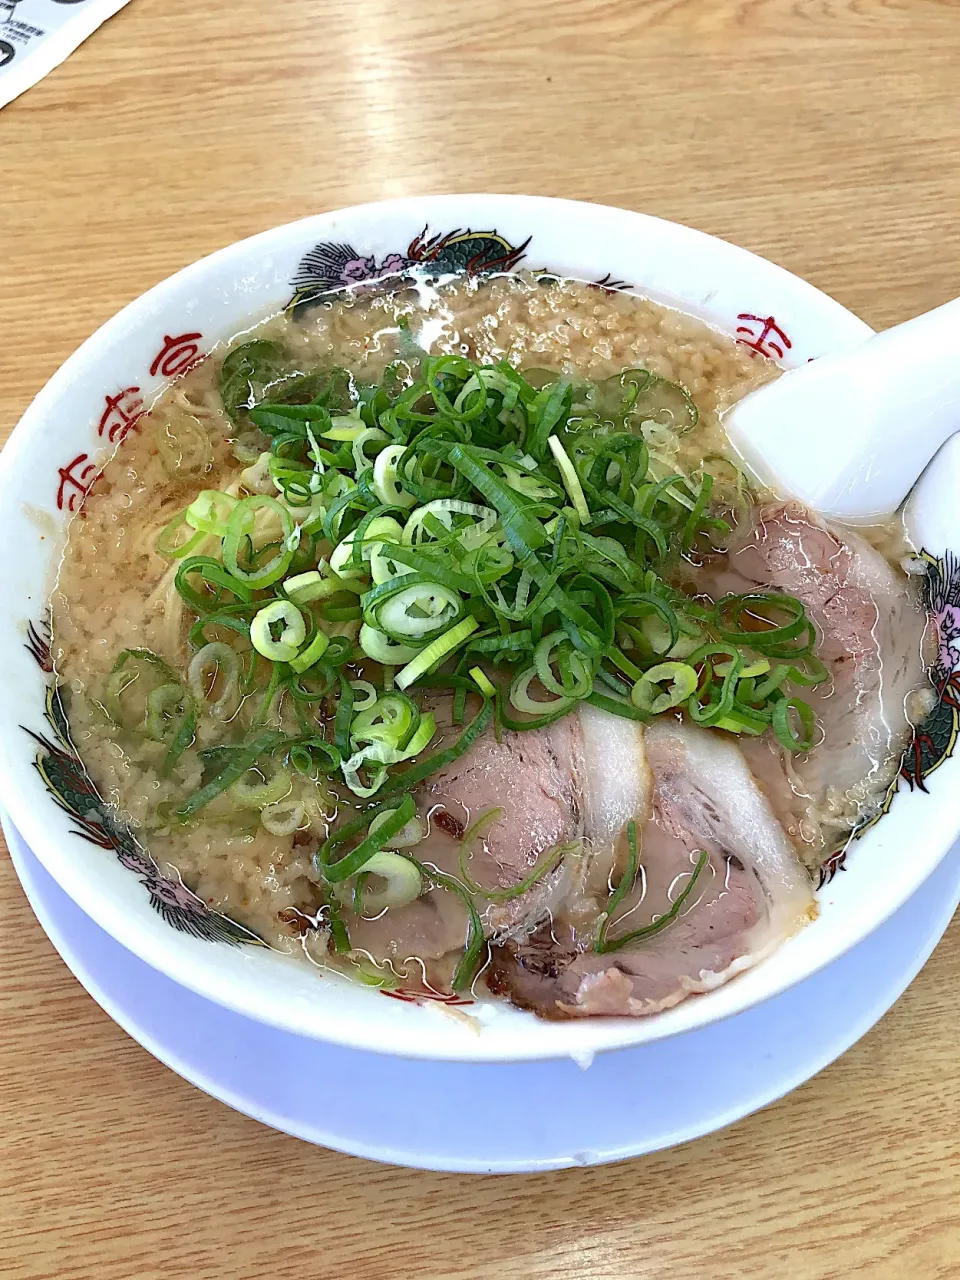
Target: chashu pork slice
[870, 629]
[534, 780]
[751, 895]
[576, 782]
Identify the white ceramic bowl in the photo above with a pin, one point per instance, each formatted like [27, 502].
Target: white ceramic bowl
[89, 404]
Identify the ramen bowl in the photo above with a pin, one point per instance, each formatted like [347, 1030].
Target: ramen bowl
[96, 399]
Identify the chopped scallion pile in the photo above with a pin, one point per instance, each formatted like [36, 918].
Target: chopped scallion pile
[456, 530]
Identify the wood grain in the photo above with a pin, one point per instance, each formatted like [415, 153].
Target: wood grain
[821, 133]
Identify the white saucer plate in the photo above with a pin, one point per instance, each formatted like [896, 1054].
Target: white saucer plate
[500, 1118]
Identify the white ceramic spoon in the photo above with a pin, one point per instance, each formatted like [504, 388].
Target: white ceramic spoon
[849, 434]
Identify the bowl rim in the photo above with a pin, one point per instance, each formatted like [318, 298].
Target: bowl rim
[579, 1038]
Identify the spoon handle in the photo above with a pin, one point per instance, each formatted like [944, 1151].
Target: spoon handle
[850, 434]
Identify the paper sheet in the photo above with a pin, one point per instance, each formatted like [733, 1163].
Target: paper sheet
[37, 35]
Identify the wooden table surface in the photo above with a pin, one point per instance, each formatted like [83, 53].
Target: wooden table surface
[824, 134]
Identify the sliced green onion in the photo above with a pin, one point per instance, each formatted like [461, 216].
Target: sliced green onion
[209, 511]
[649, 697]
[370, 974]
[226, 669]
[161, 703]
[390, 738]
[385, 478]
[544, 864]
[577, 671]
[183, 738]
[349, 559]
[421, 738]
[132, 666]
[345, 428]
[258, 793]
[692, 524]
[366, 757]
[466, 970]
[313, 756]
[282, 817]
[338, 930]
[404, 884]
[335, 872]
[215, 577]
[238, 764]
[749, 672]
[605, 946]
[414, 612]
[483, 684]
[368, 690]
[302, 588]
[658, 619]
[713, 710]
[520, 697]
[742, 720]
[814, 671]
[393, 712]
[786, 736]
[436, 651]
[616, 706]
[780, 673]
[360, 460]
[285, 614]
[343, 717]
[795, 635]
[571, 481]
[167, 544]
[408, 836]
[424, 767]
[381, 649]
[443, 511]
[311, 654]
[241, 525]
